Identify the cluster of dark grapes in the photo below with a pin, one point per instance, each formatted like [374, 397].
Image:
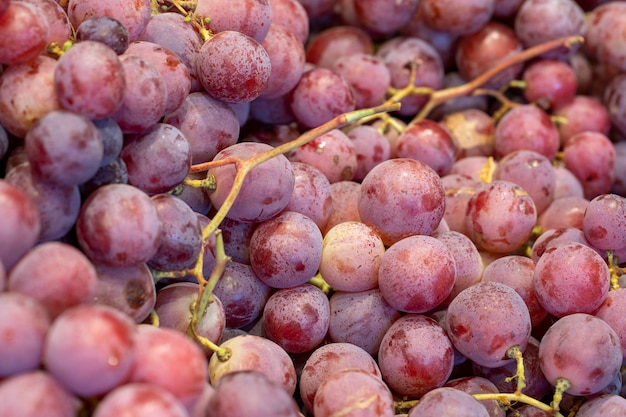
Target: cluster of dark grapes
[312, 208]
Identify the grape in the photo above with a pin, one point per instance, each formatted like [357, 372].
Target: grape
[371, 148]
[112, 139]
[474, 167]
[106, 30]
[526, 127]
[360, 318]
[401, 197]
[333, 153]
[328, 360]
[24, 323]
[554, 237]
[487, 319]
[133, 15]
[605, 406]
[57, 274]
[30, 393]
[4, 142]
[64, 148]
[170, 360]
[287, 56]
[255, 353]
[550, 83]
[382, 18]
[242, 294]
[286, 250]
[209, 125]
[604, 39]
[611, 311]
[172, 31]
[233, 67]
[58, 205]
[517, 272]
[479, 51]
[335, 42]
[145, 97]
[603, 222]
[158, 159]
[467, 260]
[90, 349]
[564, 212]
[614, 102]
[539, 21]
[113, 173]
[398, 53]
[19, 46]
[478, 385]
[571, 278]
[128, 289]
[140, 399]
[536, 384]
[367, 75]
[582, 349]
[337, 395]
[457, 17]
[58, 23]
[199, 407]
[320, 95]
[533, 172]
[415, 356]
[427, 141]
[417, 274]
[472, 132]
[119, 226]
[236, 236]
[297, 318]
[258, 198]
[171, 68]
[500, 216]
[292, 15]
[591, 158]
[448, 402]
[506, 9]
[566, 183]
[311, 193]
[345, 198]
[351, 256]
[250, 17]
[459, 188]
[21, 224]
[91, 80]
[272, 111]
[26, 94]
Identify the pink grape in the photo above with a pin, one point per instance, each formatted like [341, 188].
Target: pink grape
[458, 17]
[487, 319]
[28, 393]
[472, 131]
[119, 226]
[467, 260]
[327, 360]
[604, 406]
[56, 274]
[171, 360]
[604, 39]
[140, 399]
[367, 75]
[250, 17]
[584, 350]
[292, 15]
[401, 197]
[415, 356]
[611, 311]
[583, 113]
[603, 222]
[89, 79]
[554, 237]
[448, 402]
[371, 147]
[566, 183]
[287, 57]
[247, 351]
[564, 212]
[360, 318]
[336, 395]
[90, 349]
[417, 274]
[459, 188]
[550, 83]
[427, 141]
[233, 67]
[382, 18]
[474, 385]
[311, 193]
[286, 250]
[133, 15]
[24, 324]
[21, 223]
[18, 46]
[588, 279]
[334, 42]
[345, 198]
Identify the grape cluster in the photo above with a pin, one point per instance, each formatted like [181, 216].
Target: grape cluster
[312, 208]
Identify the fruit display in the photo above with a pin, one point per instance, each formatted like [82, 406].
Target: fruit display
[312, 208]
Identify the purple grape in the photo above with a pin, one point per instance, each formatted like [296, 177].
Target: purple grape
[584, 350]
[335, 42]
[448, 402]
[613, 100]
[603, 36]
[90, 79]
[28, 393]
[588, 279]
[382, 18]
[287, 56]
[133, 15]
[311, 193]
[487, 319]
[457, 16]
[112, 139]
[474, 385]
[106, 30]
[233, 67]
[236, 236]
[21, 224]
[401, 197]
[604, 406]
[140, 399]
[90, 349]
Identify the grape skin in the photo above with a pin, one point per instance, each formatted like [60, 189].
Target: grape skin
[448, 402]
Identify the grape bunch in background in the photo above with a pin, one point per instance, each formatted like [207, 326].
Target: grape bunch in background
[312, 208]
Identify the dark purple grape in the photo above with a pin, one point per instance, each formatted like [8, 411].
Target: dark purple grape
[106, 30]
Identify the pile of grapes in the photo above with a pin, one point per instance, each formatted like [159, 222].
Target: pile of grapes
[312, 208]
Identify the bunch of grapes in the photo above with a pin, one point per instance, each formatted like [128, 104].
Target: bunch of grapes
[312, 208]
